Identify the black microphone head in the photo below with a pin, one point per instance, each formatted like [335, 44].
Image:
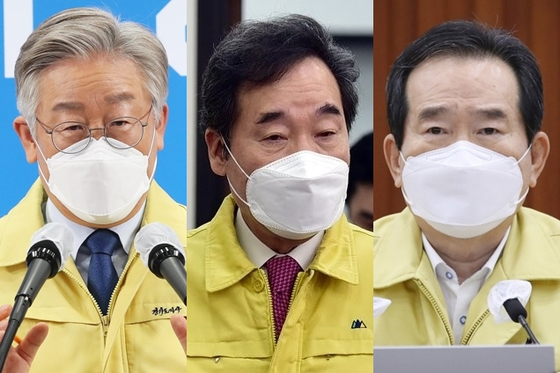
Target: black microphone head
[52, 242]
[156, 242]
[45, 250]
[515, 309]
[161, 252]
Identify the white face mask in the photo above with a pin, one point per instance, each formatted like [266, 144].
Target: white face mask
[297, 196]
[463, 190]
[101, 184]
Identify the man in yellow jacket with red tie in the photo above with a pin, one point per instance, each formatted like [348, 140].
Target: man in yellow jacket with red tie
[279, 281]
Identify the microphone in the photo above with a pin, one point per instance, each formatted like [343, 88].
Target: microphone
[50, 248]
[511, 296]
[518, 314]
[162, 252]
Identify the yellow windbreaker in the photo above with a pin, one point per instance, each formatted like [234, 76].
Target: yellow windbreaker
[136, 337]
[230, 326]
[418, 314]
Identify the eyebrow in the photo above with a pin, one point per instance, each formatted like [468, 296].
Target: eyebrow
[492, 113]
[110, 99]
[327, 109]
[68, 106]
[432, 112]
[118, 98]
[270, 116]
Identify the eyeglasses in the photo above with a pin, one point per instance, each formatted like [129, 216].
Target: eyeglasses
[120, 133]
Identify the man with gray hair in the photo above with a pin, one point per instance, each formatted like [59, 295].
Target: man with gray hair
[92, 94]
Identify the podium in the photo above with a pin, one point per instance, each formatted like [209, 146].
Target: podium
[464, 359]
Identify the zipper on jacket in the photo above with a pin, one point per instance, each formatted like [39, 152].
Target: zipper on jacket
[105, 323]
[105, 319]
[478, 322]
[439, 311]
[295, 290]
[119, 282]
[271, 307]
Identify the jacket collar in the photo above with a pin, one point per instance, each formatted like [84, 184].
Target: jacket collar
[227, 262]
[19, 225]
[531, 252]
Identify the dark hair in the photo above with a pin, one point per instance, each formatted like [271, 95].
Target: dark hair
[261, 52]
[467, 39]
[361, 164]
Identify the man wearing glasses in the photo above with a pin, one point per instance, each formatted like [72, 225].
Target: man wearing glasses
[92, 93]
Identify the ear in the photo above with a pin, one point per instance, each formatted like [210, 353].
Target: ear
[24, 134]
[393, 159]
[539, 154]
[161, 126]
[216, 151]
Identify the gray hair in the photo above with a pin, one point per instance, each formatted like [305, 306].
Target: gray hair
[86, 33]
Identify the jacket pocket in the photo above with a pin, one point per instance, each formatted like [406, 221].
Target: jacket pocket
[351, 351]
[150, 343]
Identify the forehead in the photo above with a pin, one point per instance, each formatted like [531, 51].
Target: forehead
[462, 80]
[108, 78]
[304, 88]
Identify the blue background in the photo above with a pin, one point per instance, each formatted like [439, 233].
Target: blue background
[18, 175]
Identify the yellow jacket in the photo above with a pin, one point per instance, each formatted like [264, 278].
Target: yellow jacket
[230, 327]
[136, 337]
[418, 314]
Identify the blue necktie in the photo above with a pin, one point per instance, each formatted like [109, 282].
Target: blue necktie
[102, 276]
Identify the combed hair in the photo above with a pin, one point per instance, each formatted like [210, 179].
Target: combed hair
[256, 53]
[467, 39]
[86, 33]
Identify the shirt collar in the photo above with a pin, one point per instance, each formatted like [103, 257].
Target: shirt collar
[126, 230]
[488, 267]
[259, 253]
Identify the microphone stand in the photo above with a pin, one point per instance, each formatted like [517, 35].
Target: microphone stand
[525, 325]
[37, 273]
[21, 305]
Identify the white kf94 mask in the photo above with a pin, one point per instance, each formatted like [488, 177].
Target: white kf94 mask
[463, 190]
[101, 184]
[297, 196]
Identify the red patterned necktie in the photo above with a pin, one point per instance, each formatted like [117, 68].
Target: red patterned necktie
[282, 274]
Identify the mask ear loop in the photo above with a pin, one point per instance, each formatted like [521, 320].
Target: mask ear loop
[528, 188]
[526, 152]
[42, 155]
[402, 188]
[150, 152]
[402, 157]
[241, 169]
[234, 160]
[522, 197]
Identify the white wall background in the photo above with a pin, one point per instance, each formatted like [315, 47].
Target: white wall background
[348, 17]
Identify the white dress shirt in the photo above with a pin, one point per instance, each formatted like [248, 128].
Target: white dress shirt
[259, 253]
[81, 254]
[458, 297]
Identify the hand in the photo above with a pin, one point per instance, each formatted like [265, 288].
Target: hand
[179, 324]
[19, 358]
